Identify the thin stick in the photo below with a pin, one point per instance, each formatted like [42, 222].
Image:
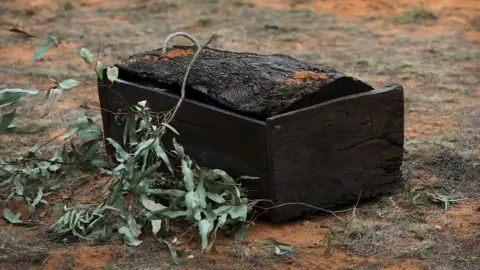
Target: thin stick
[265, 209]
[184, 83]
[356, 204]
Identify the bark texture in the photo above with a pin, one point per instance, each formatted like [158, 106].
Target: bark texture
[250, 84]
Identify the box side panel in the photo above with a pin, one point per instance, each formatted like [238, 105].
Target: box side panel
[213, 137]
[329, 154]
[108, 118]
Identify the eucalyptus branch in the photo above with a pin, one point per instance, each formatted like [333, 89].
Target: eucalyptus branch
[184, 83]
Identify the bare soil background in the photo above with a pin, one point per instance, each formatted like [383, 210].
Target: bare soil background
[432, 48]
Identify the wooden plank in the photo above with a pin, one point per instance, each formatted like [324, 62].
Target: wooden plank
[215, 131]
[256, 188]
[326, 154]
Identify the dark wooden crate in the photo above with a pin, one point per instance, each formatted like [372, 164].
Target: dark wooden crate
[323, 155]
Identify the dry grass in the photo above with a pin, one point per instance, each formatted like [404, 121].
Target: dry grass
[150, 255]
[257, 255]
[396, 226]
[453, 158]
[415, 15]
[391, 239]
[20, 251]
[448, 253]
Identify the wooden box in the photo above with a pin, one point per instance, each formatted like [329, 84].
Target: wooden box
[322, 155]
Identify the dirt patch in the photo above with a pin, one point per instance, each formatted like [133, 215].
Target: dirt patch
[83, 257]
[462, 220]
[455, 10]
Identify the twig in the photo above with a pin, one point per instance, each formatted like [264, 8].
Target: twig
[49, 141]
[334, 213]
[184, 83]
[356, 204]
[214, 238]
[103, 109]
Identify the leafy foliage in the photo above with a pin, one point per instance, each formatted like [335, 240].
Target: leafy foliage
[67, 84]
[173, 252]
[88, 223]
[8, 98]
[280, 248]
[12, 218]
[434, 193]
[166, 184]
[28, 177]
[45, 47]
[152, 184]
[112, 73]
[86, 55]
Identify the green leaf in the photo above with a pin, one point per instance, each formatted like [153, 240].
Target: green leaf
[84, 127]
[99, 69]
[187, 176]
[191, 200]
[69, 132]
[170, 127]
[112, 73]
[128, 237]
[134, 228]
[39, 196]
[14, 219]
[246, 177]
[123, 154]
[222, 209]
[151, 205]
[226, 178]
[215, 197]
[142, 146]
[204, 227]
[222, 220]
[142, 104]
[11, 95]
[280, 248]
[240, 233]
[67, 84]
[161, 154]
[173, 252]
[156, 226]
[6, 120]
[168, 192]
[86, 55]
[175, 214]
[201, 194]
[87, 128]
[178, 148]
[33, 150]
[129, 131]
[240, 211]
[44, 48]
[18, 186]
